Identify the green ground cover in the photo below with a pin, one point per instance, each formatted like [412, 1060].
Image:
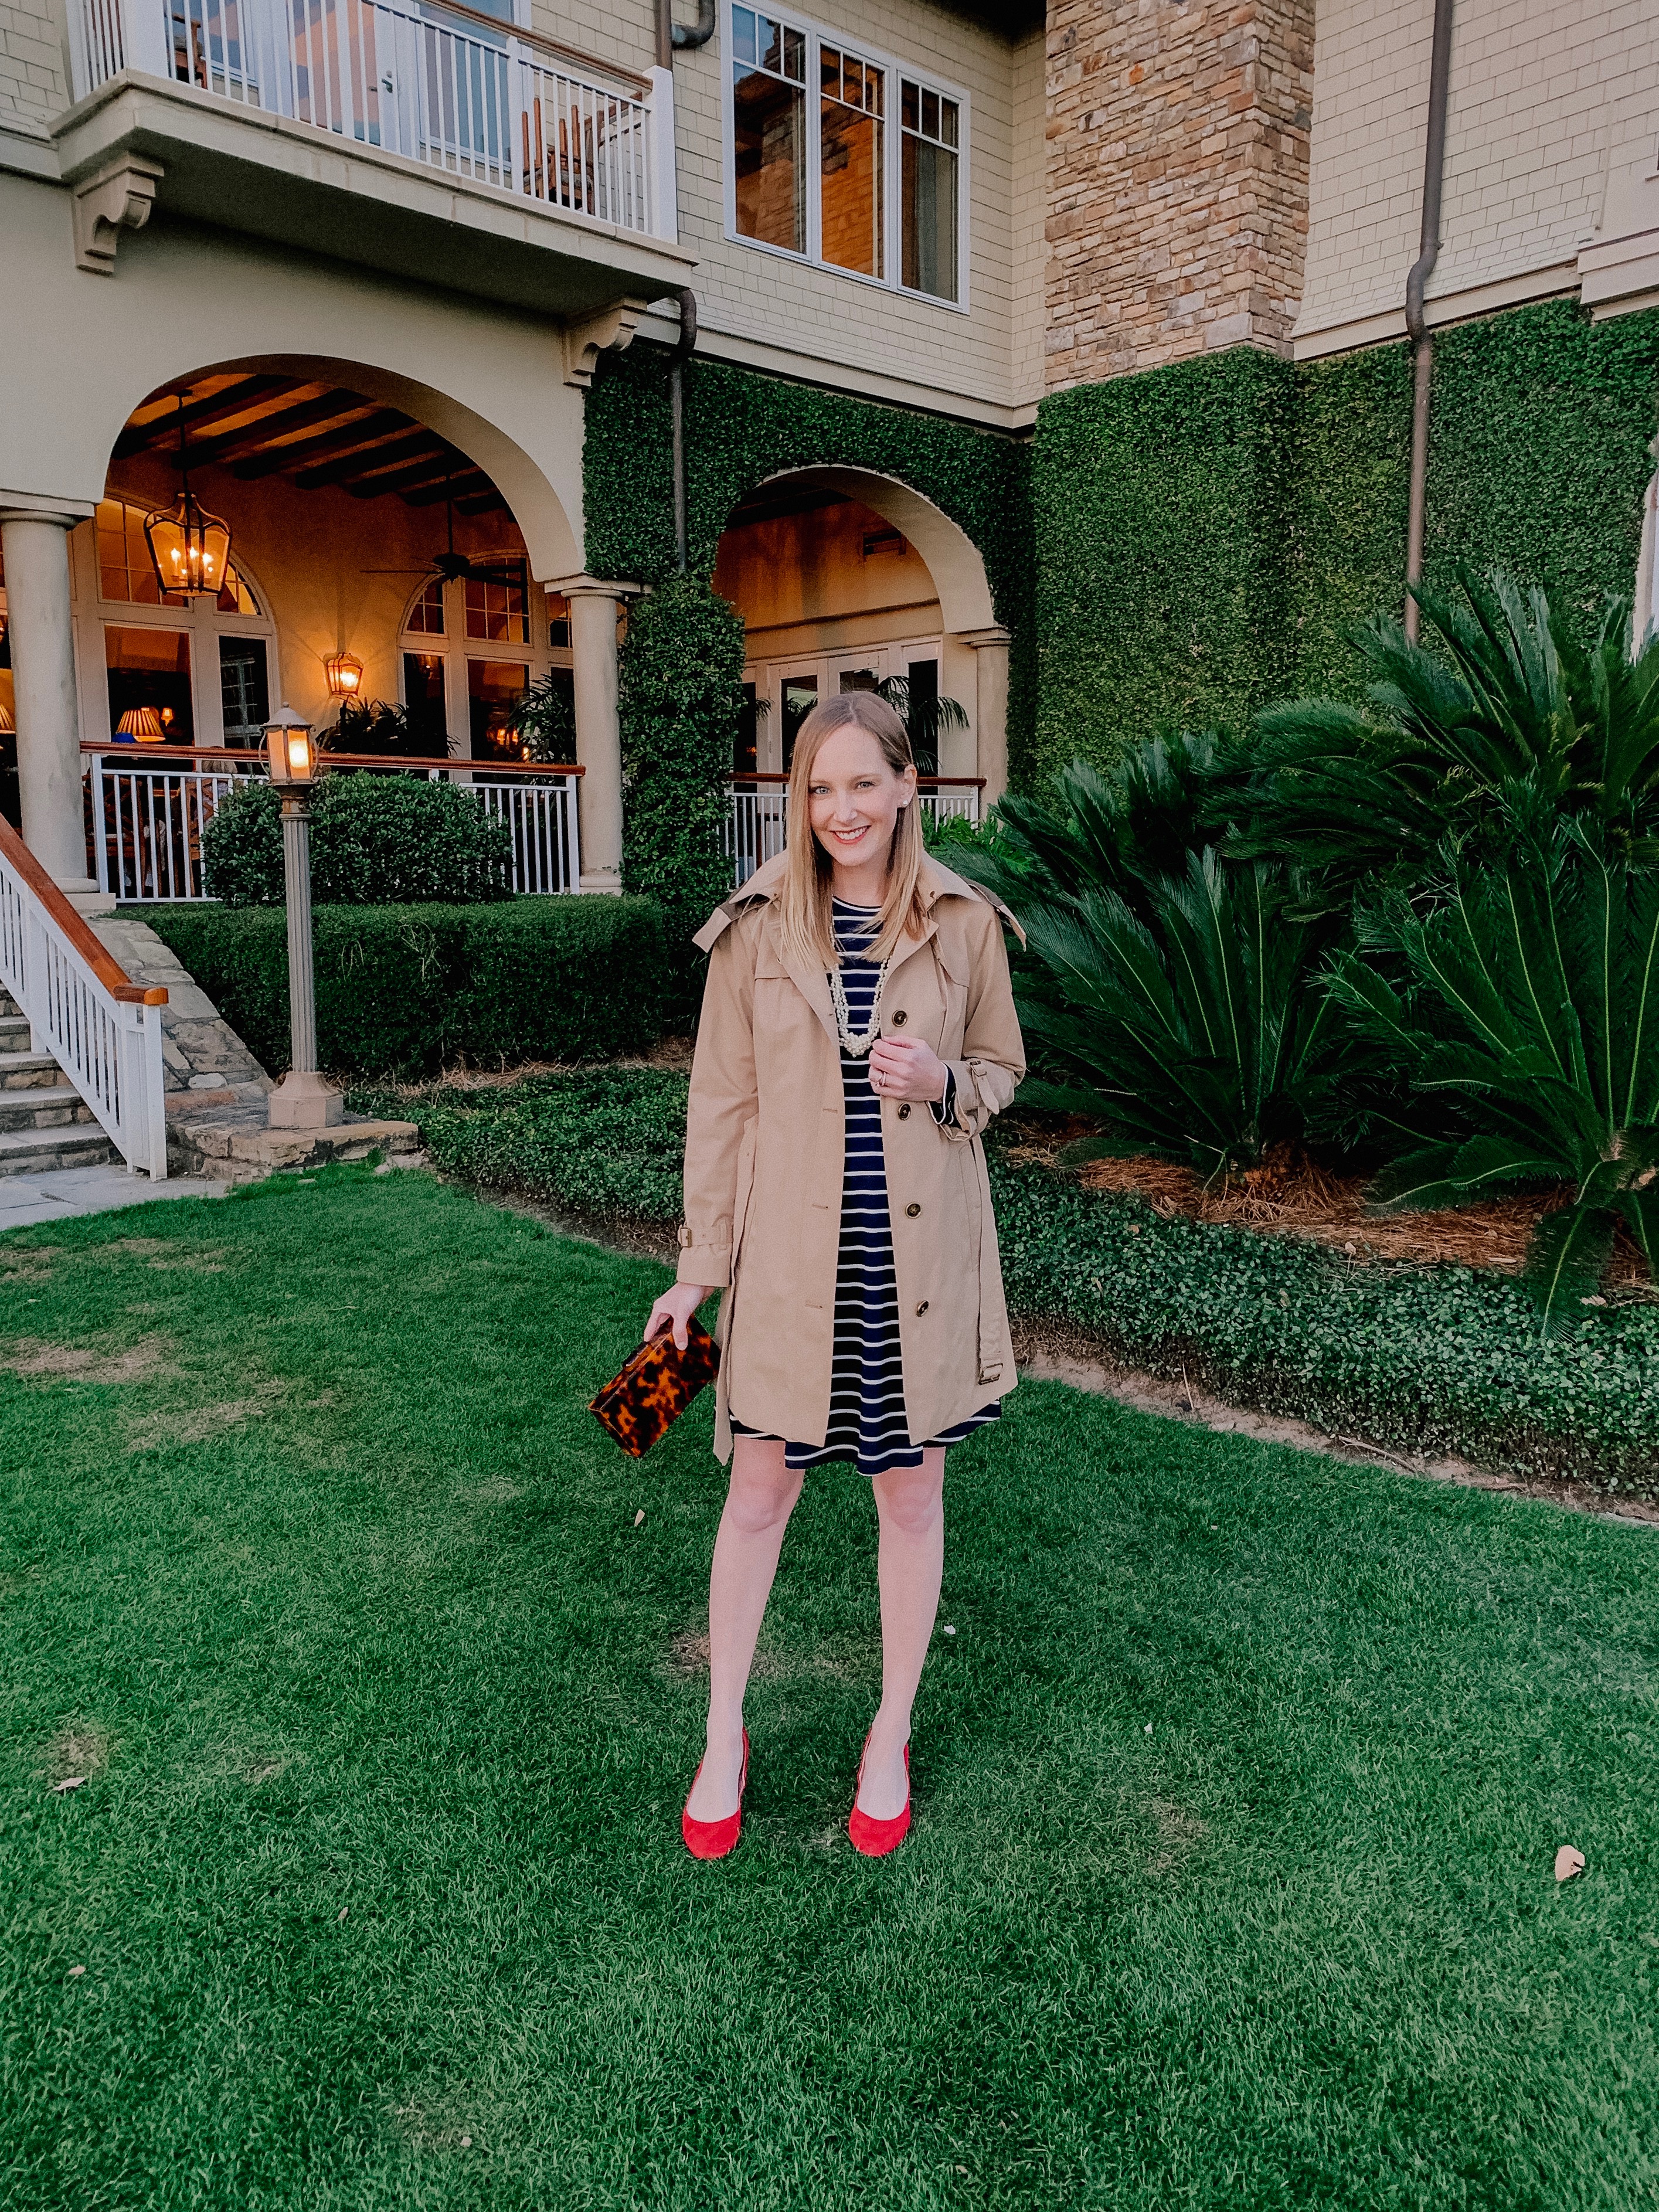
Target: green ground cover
[1239, 1786]
[1441, 1358]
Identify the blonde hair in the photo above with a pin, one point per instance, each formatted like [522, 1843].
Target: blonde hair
[805, 909]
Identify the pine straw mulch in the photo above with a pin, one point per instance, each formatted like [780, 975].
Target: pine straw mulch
[1291, 1195]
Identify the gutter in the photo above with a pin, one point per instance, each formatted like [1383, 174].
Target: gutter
[1434, 168]
[673, 37]
[678, 356]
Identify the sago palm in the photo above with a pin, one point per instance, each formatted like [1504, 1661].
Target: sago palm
[1503, 714]
[1533, 1006]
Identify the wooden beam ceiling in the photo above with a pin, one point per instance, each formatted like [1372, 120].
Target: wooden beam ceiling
[317, 435]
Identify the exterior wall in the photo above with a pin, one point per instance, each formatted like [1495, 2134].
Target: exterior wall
[1177, 179]
[1030, 219]
[32, 87]
[787, 315]
[486, 378]
[1552, 128]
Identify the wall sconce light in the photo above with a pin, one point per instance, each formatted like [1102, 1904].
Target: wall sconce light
[143, 724]
[346, 675]
[189, 548]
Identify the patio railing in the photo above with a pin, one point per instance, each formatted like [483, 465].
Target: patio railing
[452, 90]
[756, 829]
[103, 1030]
[146, 812]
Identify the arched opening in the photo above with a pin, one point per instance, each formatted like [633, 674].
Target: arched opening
[848, 579]
[374, 534]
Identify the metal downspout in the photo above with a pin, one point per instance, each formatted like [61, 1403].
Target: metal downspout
[1434, 167]
[683, 348]
[672, 35]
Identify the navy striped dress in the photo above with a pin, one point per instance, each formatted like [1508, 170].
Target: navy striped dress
[867, 1421]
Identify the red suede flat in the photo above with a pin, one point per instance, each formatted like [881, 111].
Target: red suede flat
[712, 1839]
[875, 1839]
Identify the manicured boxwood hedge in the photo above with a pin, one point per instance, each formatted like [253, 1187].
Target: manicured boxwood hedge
[407, 988]
[1440, 1359]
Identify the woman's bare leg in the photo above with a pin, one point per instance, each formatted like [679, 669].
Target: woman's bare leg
[910, 1564]
[758, 1503]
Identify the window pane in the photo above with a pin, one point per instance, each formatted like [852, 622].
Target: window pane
[801, 696]
[770, 158]
[930, 115]
[244, 690]
[743, 744]
[911, 107]
[498, 610]
[743, 33]
[426, 617]
[929, 190]
[794, 56]
[424, 695]
[851, 206]
[947, 121]
[492, 688]
[558, 619]
[151, 668]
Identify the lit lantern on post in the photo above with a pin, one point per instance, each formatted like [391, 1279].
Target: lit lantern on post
[346, 675]
[301, 1100]
[189, 548]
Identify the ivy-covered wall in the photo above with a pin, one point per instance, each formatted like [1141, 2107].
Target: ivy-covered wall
[1183, 546]
[742, 428]
[1207, 534]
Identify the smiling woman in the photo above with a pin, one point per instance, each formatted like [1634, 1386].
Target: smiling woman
[851, 981]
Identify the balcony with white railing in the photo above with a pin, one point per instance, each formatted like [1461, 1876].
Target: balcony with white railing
[478, 106]
[146, 812]
[756, 825]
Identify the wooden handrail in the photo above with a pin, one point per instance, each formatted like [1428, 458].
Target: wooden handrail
[135, 756]
[109, 971]
[925, 782]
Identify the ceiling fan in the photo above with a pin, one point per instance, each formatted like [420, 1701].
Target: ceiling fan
[455, 568]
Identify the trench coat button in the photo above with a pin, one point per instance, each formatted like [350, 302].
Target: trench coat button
[921, 1309]
[904, 1113]
[899, 1019]
[912, 1209]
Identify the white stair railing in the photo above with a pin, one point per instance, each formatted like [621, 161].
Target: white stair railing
[103, 1030]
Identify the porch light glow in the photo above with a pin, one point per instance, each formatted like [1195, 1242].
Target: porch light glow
[189, 548]
[346, 675]
[290, 755]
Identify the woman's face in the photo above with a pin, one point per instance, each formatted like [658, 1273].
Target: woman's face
[855, 797]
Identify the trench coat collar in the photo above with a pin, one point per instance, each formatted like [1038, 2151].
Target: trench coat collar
[934, 882]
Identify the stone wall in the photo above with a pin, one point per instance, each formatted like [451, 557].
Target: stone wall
[1177, 179]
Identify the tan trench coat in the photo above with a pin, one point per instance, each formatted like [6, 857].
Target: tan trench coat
[765, 1141]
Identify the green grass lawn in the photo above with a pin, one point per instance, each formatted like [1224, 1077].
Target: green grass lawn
[1237, 1787]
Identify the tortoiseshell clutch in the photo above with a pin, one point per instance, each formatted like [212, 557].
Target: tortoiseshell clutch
[640, 1405]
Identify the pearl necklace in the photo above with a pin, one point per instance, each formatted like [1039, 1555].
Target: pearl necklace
[856, 1042]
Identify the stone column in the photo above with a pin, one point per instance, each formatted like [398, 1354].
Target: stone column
[990, 709]
[36, 543]
[594, 609]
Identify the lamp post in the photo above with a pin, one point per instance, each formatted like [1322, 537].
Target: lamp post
[301, 1100]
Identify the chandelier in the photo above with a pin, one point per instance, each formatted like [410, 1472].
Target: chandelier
[189, 548]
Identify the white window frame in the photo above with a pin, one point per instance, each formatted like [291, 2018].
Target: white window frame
[893, 71]
[455, 648]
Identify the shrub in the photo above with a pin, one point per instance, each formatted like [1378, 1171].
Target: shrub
[1535, 1005]
[375, 841]
[681, 691]
[404, 989]
[1441, 1358]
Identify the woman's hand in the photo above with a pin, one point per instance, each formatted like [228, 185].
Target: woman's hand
[906, 1067]
[674, 1309]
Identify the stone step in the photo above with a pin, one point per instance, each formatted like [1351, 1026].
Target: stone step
[14, 1033]
[55, 1106]
[28, 1070]
[44, 1152]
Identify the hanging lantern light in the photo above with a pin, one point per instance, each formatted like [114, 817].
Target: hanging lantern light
[189, 548]
[346, 675]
